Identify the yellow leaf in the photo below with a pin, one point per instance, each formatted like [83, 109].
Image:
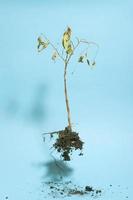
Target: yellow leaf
[41, 44]
[69, 49]
[66, 42]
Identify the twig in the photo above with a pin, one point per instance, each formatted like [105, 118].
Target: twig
[94, 43]
[51, 133]
[54, 47]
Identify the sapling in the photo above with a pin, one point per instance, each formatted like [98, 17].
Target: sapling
[67, 139]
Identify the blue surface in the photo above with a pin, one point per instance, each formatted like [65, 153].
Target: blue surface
[32, 95]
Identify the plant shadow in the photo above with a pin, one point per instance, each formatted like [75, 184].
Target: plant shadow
[55, 169]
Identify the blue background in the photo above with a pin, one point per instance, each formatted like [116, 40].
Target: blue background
[32, 94]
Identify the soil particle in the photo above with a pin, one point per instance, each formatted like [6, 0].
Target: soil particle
[67, 188]
[98, 191]
[75, 192]
[89, 189]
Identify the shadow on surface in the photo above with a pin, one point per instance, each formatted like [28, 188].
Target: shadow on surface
[55, 169]
[30, 108]
[37, 112]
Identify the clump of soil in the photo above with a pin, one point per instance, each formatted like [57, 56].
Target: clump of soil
[66, 142]
[65, 189]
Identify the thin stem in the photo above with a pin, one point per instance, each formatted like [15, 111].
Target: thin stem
[66, 96]
[54, 48]
[51, 133]
[89, 43]
[68, 57]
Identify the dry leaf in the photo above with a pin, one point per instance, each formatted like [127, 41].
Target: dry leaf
[88, 62]
[66, 42]
[94, 63]
[41, 44]
[54, 56]
[81, 59]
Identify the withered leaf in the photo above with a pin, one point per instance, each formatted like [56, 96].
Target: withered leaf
[66, 41]
[41, 44]
[54, 56]
[81, 59]
[69, 49]
[88, 62]
[94, 63]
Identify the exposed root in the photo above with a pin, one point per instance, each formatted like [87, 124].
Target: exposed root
[66, 142]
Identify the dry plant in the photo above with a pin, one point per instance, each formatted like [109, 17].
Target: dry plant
[67, 139]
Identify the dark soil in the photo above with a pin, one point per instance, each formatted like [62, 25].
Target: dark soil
[65, 189]
[66, 142]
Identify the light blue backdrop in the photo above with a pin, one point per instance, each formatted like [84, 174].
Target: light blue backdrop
[32, 94]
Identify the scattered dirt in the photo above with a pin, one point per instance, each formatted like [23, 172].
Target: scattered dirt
[89, 189]
[66, 142]
[68, 189]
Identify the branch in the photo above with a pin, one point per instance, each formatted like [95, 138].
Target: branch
[51, 133]
[54, 132]
[79, 41]
[94, 43]
[54, 48]
[89, 43]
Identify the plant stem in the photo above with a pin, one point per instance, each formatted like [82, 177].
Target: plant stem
[66, 97]
[66, 61]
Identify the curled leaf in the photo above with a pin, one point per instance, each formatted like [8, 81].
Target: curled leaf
[41, 44]
[69, 49]
[88, 62]
[66, 37]
[81, 59]
[54, 56]
[91, 64]
[66, 41]
[94, 63]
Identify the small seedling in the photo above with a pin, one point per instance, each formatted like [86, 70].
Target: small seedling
[67, 139]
